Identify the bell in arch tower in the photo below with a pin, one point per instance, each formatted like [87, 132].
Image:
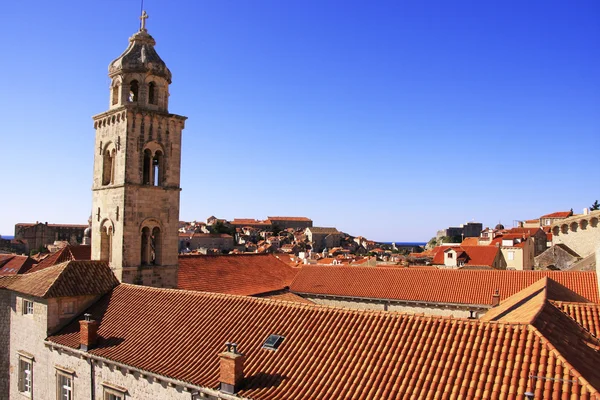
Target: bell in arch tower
[137, 162]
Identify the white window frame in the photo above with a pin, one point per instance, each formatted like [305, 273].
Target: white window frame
[511, 255]
[64, 383]
[27, 307]
[25, 375]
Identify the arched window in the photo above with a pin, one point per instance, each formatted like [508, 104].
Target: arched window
[108, 166]
[115, 94]
[157, 168]
[145, 256]
[152, 93]
[147, 178]
[133, 91]
[106, 234]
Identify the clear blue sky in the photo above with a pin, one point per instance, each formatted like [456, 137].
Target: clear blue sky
[387, 119]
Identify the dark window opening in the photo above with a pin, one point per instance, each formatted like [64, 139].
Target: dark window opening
[133, 91]
[152, 93]
[147, 167]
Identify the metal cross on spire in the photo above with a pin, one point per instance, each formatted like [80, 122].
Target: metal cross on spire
[143, 23]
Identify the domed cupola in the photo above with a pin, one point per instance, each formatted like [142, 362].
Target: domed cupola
[139, 76]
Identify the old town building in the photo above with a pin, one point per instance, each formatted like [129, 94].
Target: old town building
[41, 234]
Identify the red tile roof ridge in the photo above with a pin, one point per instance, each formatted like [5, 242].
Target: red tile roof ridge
[346, 310]
[69, 278]
[574, 371]
[407, 284]
[575, 303]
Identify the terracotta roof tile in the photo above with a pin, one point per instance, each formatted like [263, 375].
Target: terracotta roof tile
[302, 219]
[470, 241]
[333, 353]
[524, 306]
[67, 253]
[244, 274]
[586, 314]
[433, 285]
[12, 264]
[71, 278]
[323, 230]
[480, 255]
[559, 214]
[286, 296]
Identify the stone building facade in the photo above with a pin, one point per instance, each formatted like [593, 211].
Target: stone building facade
[42, 234]
[291, 222]
[581, 233]
[323, 238]
[137, 170]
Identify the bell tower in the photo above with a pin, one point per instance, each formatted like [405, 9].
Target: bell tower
[137, 158]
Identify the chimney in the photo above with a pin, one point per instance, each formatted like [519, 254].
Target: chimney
[586, 211]
[496, 298]
[231, 372]
[88, 335]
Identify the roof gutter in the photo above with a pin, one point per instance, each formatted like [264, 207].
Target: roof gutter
[188, 387]
[386, 300]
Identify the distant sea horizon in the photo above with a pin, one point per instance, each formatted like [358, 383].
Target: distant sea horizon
[405, 243]
[10, 237]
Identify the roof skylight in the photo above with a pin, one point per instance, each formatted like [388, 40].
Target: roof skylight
[273, 342]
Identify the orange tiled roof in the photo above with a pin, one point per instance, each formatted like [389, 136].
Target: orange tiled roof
[480, 255]
[67, 253]
[475, 255]
[71, 278]
[528, 231]
[244, 274]
[586, 314]
[433, 285]
[335, 353]
[438, 254]
[286, 296]
[12, 264]
[572, 342]
[303, 219]
[559, 214]
[470, 241]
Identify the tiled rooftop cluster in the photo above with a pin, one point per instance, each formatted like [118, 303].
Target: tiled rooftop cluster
[338, 353]
[12, 264]
[244, 274]
[433, 285]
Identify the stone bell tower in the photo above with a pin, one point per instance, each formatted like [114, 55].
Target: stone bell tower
[137, 162]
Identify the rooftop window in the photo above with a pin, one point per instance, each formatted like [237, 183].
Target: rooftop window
[273, 342]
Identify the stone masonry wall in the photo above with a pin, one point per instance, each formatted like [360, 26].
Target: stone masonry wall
[4, 342]
[27, 334]
[585, 239]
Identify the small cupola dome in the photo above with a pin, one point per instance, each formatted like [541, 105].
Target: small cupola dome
[140, 57]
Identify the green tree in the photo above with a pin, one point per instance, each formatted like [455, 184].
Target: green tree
[220, 227]
[595, 206]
